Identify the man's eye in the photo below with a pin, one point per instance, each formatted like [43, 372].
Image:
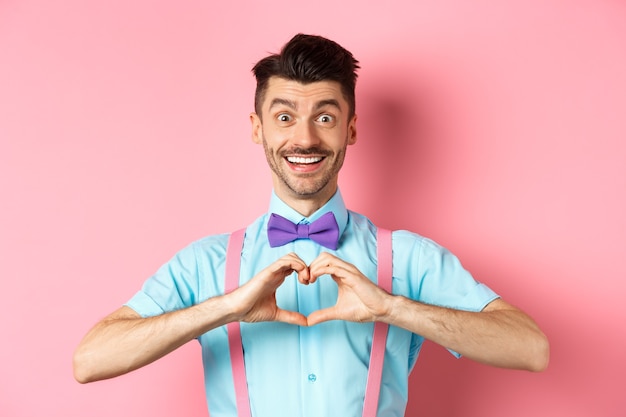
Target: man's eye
[283, 117]
[325, 118]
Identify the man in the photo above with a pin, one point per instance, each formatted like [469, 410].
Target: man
[307, 311]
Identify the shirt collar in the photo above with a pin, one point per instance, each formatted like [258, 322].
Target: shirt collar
[335, 205]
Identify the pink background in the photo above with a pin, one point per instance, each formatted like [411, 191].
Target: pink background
[496, 128]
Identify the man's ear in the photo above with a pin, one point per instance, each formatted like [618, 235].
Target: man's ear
[257, 128]
[352, 131]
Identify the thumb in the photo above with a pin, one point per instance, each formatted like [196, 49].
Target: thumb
[291, 317]
[322, 315]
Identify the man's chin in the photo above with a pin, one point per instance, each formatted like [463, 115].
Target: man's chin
[310, 191]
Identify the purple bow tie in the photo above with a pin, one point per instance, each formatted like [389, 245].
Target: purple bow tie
[324, 231]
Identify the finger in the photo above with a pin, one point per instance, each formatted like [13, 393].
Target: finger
[301, 269]
[286, 265]
[320, 316]
[291, 317]
[324, 258]
[319, 265]
[304, 276]
[336, 272]
[294, 256]
[325, 263]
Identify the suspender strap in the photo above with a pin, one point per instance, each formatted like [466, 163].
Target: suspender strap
[233, 261]
[379, 339]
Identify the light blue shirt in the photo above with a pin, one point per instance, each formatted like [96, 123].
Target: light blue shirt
[317, 371]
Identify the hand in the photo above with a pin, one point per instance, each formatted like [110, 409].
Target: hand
[358, 300]
[255, 301]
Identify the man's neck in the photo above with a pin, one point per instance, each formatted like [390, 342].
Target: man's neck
[306, 205]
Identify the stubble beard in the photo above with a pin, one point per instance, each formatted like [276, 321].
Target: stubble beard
[305, 185]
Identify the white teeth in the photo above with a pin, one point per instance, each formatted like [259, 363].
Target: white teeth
[303, 160]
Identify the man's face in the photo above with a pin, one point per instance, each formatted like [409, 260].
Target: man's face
[304, 129]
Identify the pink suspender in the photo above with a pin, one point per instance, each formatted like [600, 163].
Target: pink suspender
[233, 260]
[379, 339]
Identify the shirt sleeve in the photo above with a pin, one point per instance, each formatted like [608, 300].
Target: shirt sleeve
[433, 275]
[181, 282]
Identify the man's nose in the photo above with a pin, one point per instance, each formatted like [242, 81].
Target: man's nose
[305, 135]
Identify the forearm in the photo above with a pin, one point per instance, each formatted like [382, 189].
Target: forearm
[124, 341]
[501, 335]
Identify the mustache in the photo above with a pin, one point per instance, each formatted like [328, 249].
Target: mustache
[306, 151]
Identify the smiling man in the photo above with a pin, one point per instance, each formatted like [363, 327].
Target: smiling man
[305, 130]
[311, 310]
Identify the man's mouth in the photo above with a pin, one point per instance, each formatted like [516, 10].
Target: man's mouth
[304, 160]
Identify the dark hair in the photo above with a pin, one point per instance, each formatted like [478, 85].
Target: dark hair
[307, 59]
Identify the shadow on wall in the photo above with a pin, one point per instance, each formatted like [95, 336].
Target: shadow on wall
[397, 169]
[399, 161]
[402, 176]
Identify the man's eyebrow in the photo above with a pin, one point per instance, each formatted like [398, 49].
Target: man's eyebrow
[283, 102]
[293, 105]
[329, 102]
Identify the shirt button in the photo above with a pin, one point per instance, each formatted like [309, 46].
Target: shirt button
[312, 377]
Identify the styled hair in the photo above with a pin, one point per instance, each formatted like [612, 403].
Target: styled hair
[307, 59]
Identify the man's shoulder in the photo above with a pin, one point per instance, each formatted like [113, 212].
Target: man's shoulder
[360, 221]
[219, 241]
[208, 245]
